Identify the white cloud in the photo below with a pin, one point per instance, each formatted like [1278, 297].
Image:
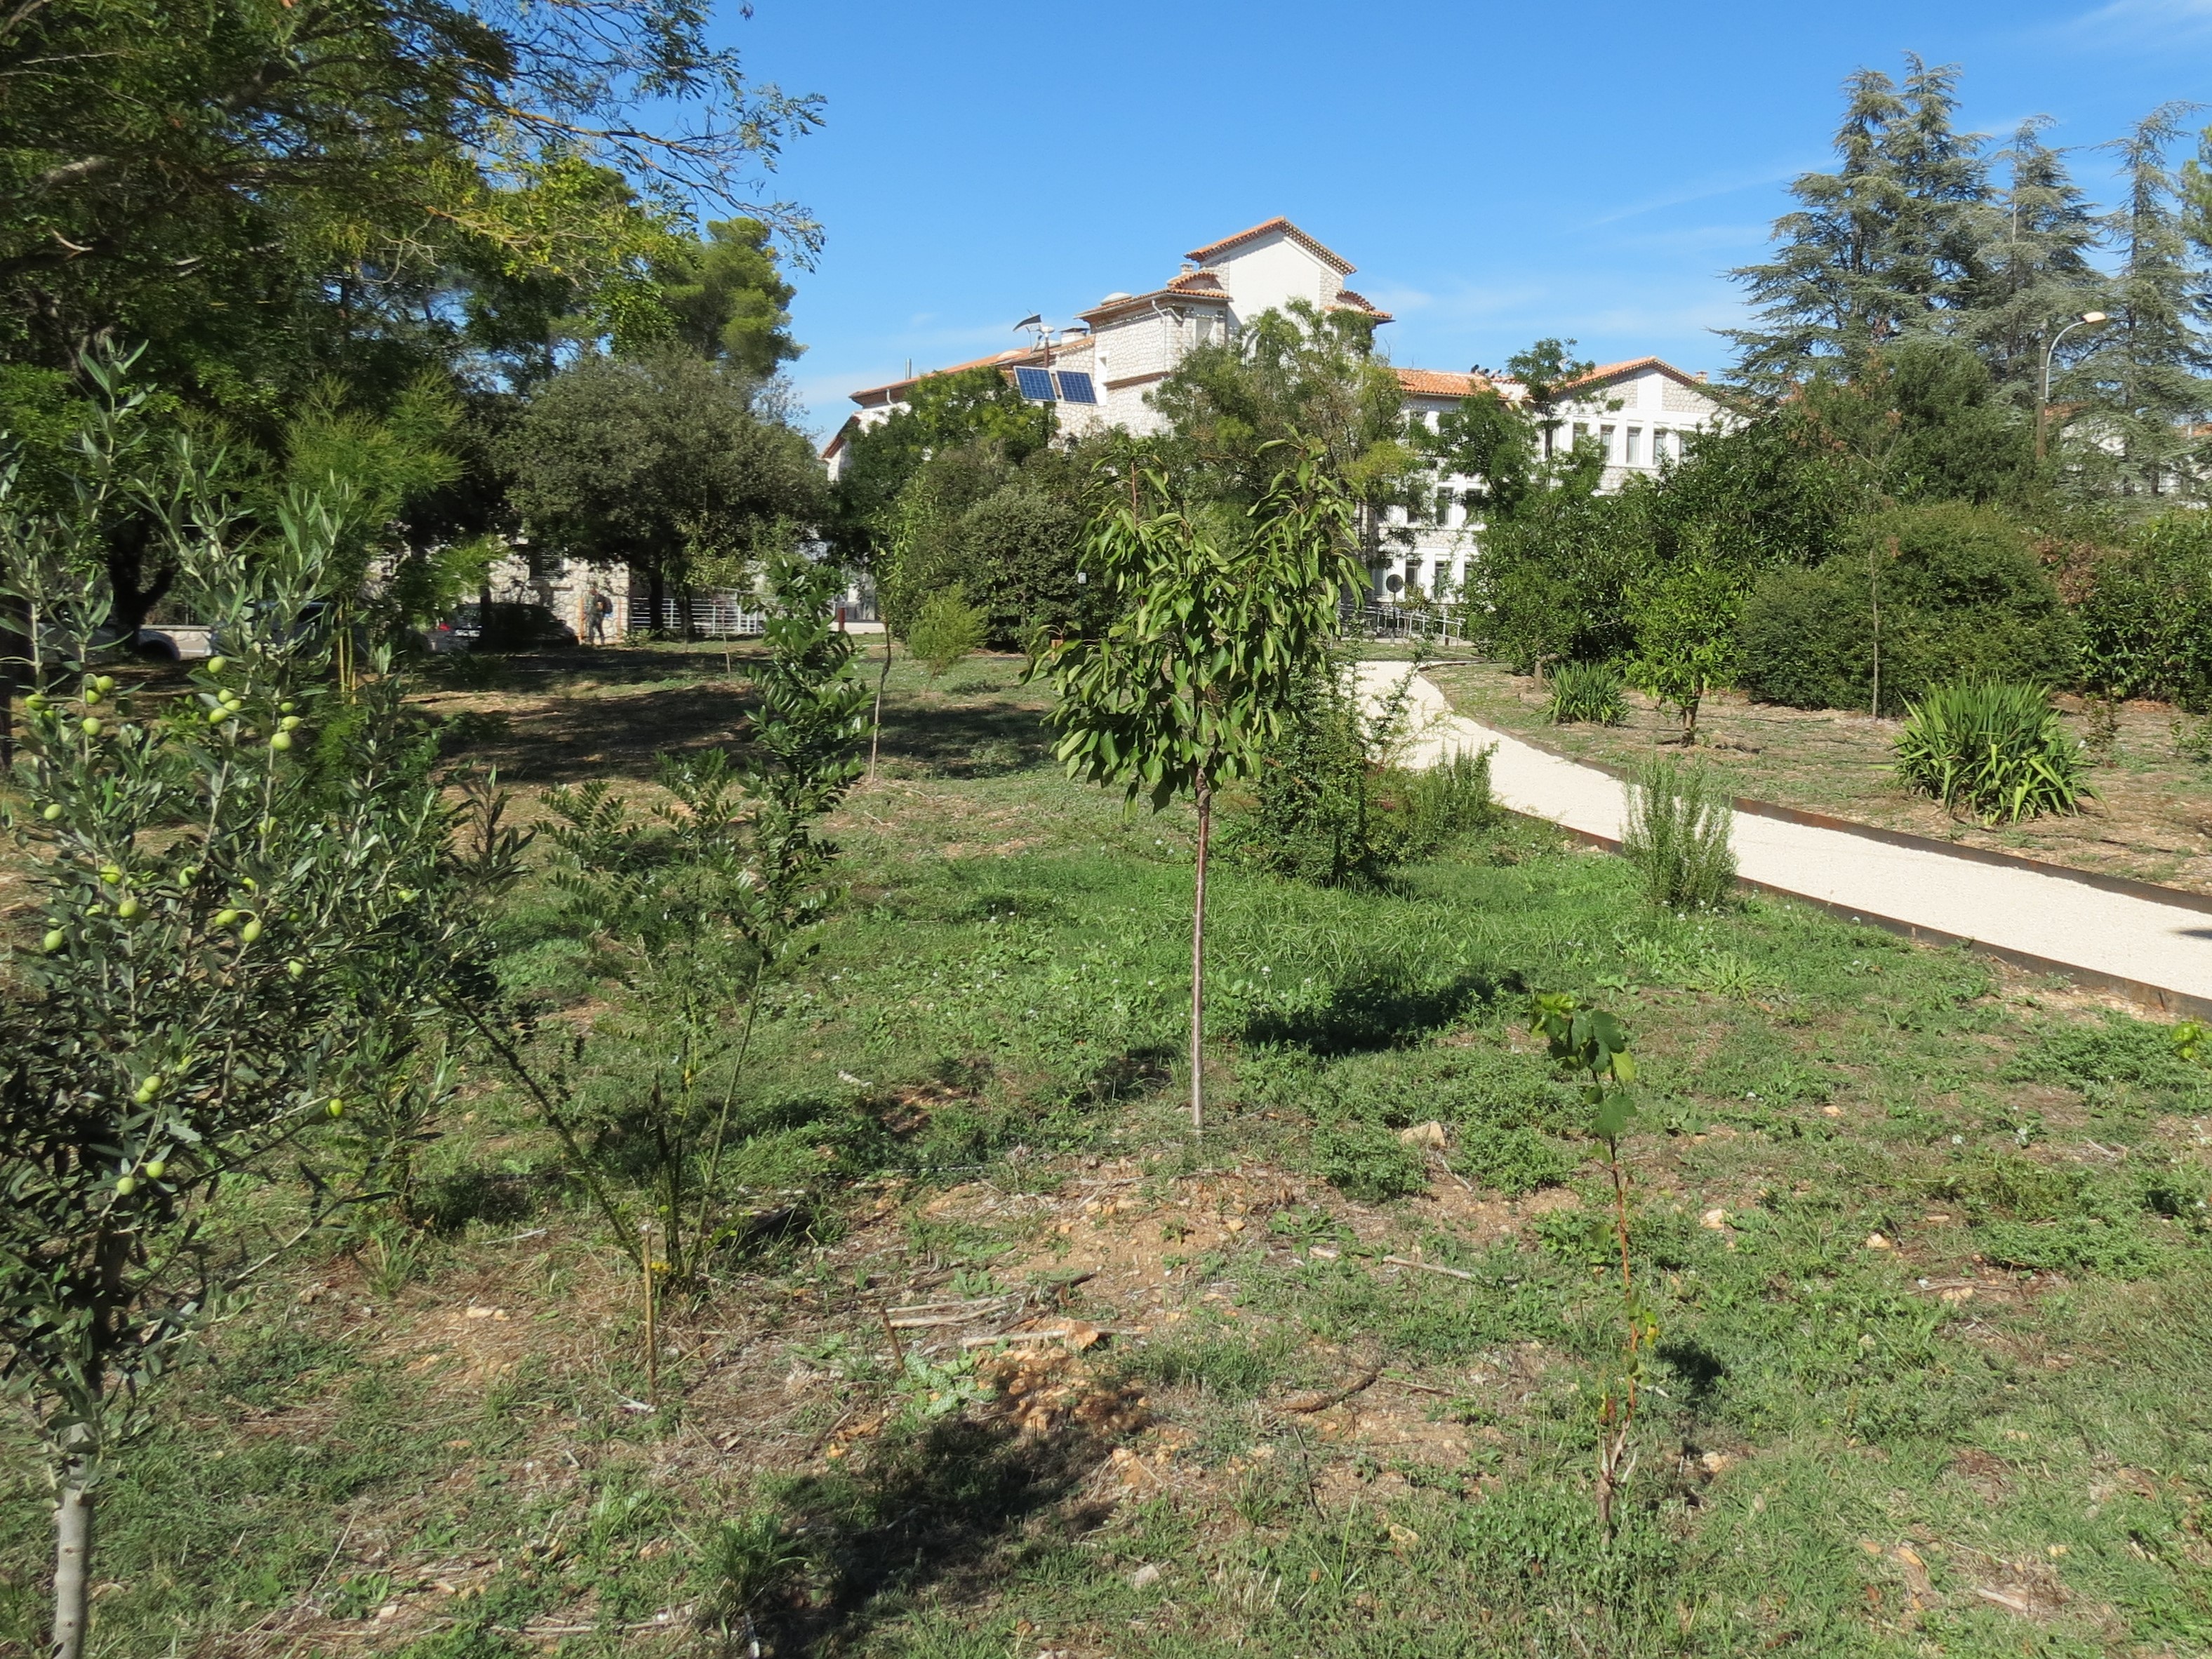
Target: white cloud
[2143, 21]
[1706, 189]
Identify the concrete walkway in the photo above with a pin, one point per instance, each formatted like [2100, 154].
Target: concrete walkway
[2124, 936]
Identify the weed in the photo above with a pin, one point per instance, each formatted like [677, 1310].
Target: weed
[1366, 1161]
[2074, 1243]
[746, 1561]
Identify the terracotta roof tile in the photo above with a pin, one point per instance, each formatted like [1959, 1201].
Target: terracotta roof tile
[1344, 266]
[1351, 302]
[1439, 383]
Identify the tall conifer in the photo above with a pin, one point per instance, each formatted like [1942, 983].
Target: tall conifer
[2035, 271]
[2146, 380]
[1882, 246]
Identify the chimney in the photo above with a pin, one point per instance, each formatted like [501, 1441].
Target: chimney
[1701, 377]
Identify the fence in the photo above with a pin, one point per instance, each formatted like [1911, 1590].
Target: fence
[1404, 621]
[713, 617]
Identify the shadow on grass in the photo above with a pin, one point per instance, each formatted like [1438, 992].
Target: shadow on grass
[966, 740]
[949, 1514]
[1384, 1009]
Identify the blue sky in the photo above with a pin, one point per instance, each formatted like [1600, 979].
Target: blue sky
[1497, 172]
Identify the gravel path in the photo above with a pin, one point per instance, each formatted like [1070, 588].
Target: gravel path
[2133, 942]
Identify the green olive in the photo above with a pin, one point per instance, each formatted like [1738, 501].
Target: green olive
[217, 716]
[216, 665]
[92, 727]
[295, 967]
[36, 702]
[281, 742]
[111, 873]
[103, 681]
[286, 707]
[55, 940]
[224, 918]
[251, 931]
[127, 910]
[155, 1168]
[91, 694]
[336, 1107]
[290, 723]
[50, 811]
[125, 1187]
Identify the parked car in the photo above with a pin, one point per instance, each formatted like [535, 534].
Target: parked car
[501, 626]
[174, 641]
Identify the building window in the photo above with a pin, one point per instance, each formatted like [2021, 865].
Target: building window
[1202, 330]
[1605, 441]
[1443, 506]
[1632, 446]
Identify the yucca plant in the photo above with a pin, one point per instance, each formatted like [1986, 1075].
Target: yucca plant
[1994, 748]
[1591, 691]
[1677, 836]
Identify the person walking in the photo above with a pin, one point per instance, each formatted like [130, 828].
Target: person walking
[599, 610]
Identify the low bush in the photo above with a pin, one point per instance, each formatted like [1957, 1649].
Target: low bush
[946, 630]
[1329, 808]
[1677, 836]
[1993, 748]
[1960, 593]
[1587, 691]
[1368, 1162]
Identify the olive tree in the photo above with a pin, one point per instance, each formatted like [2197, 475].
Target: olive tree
[243, 889]
[1225, 617]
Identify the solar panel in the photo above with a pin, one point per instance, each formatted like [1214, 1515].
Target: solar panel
[1035, 383]
[1075, 387]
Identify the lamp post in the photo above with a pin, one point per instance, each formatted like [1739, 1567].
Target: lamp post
[2087, 320]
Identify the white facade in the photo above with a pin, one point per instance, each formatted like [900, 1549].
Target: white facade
[1641, 410]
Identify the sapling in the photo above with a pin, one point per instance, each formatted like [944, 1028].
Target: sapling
[233, 900]
[1595, 1044]
[690, 917]
[1225, 619]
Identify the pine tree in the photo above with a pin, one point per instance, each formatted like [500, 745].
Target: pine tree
[2145, 382]
[1882, 246]
[2034, 263]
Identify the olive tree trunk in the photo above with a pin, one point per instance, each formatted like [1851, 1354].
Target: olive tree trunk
[72, 1558]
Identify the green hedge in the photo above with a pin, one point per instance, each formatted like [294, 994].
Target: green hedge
[1961, 594]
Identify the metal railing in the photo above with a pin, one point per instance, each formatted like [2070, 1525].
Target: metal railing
[713, 617]
[1405, 622]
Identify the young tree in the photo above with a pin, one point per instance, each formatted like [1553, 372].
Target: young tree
[1685, 618]
[947, 631]
[244, 891]
[1227, 617]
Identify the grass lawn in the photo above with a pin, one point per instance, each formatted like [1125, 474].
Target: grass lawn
[2152, 819]
[1926, 1240]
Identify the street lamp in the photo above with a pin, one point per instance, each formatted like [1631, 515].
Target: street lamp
[2087, 320]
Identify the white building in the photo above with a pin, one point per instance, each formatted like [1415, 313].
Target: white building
[1102, 373]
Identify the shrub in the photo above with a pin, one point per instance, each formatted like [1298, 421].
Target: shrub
[1328, 809]
[1590, 691]
[1677, 836]
[1451, 799]
[2146, 618]
[1993, 748]
[947, 629]
[1366, 1161]
[1685, 618]
[1961, 592]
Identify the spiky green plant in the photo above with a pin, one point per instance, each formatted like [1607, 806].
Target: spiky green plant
[1591, 691]
[1994, 748]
